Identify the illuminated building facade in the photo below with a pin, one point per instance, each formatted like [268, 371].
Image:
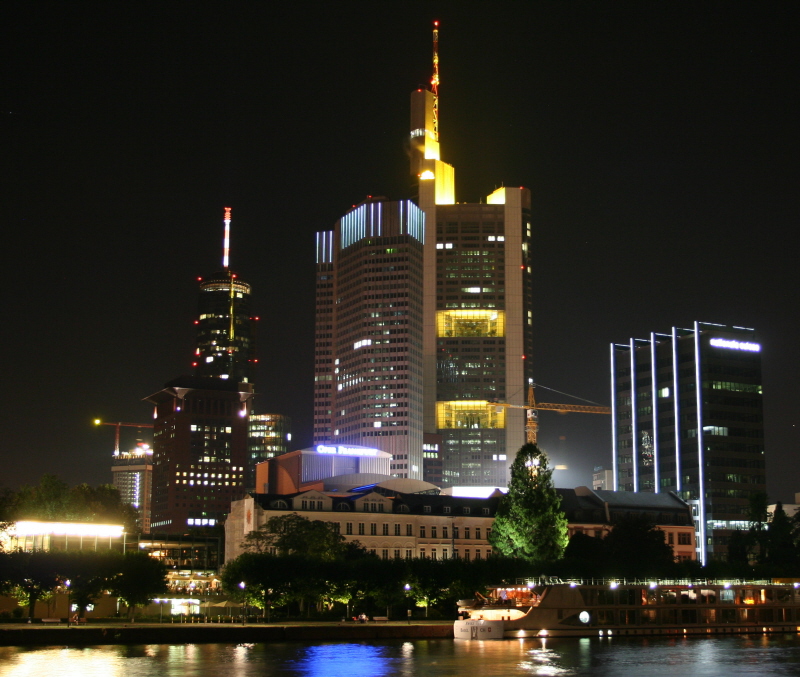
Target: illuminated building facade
[368, 366]
[475, 333]
[200, 450]
[225, 343]
[132, 475]
[269, 435]
[687, 418]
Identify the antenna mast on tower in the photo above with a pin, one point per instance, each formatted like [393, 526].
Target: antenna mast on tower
[226, 241]
[435, 79]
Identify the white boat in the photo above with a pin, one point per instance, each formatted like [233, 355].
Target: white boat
[552, 608]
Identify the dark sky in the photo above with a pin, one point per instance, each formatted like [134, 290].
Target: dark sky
[660, 141]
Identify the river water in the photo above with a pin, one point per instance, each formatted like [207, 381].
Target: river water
[729, 656]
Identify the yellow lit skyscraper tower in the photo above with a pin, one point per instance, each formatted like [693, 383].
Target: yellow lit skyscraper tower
[476, 319]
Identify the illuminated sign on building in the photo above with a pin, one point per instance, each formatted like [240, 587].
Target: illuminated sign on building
[735, 345]
[346, 451]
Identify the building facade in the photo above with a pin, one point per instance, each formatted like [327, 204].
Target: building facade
[132, 475]
[269, 435]
[389, 524]
[199, 450]
[368, 361]
[401, 524]
[461, 282]
[225, 343]
[687, 418]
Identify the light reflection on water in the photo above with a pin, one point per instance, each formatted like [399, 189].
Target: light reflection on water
[642, 657]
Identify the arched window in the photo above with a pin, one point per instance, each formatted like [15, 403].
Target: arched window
[343, 507]
[279, 505]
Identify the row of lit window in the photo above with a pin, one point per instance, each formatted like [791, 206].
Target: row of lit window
[213, 475]
[207, 483]
[210, 429]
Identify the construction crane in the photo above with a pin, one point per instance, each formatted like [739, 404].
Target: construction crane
[532, 423]
[97, 421]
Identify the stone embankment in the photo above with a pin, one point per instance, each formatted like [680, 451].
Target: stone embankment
[154, 633]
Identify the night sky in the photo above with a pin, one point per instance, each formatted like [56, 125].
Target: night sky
[660, 141]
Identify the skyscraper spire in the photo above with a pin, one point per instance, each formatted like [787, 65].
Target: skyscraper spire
[226, 241]
[435, 79]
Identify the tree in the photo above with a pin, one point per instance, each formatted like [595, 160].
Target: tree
[757, 515]
[637, 548]
[584, 557]
[781, 551]
[34, 576]
[138, 580]
[88, 574]
[53, 500]
[267, 580]
[293, 534]
[529, 522]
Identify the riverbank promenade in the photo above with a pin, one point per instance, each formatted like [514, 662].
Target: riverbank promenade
[38, 634]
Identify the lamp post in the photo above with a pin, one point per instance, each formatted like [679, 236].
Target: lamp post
[69, 599]
[407, 588]
[244, 606]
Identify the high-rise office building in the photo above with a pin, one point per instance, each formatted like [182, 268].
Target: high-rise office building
[269, 435]
[200, 436]
[368, 385]
[225, 345]
[442, 308]
[132, 475]
[200, 450]
[687, 417]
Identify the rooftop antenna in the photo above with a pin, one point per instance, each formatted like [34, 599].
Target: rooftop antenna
[435, 79]
[226, 242]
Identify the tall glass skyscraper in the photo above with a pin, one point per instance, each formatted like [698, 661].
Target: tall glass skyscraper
[225, 345]
[421, 325]
[688, 418]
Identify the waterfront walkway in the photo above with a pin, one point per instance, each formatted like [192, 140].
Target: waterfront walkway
[37, 634]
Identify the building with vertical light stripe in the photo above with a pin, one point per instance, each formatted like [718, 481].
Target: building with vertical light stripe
[687, 418]
[452, 327]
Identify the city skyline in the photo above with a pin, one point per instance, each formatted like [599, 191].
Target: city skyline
[658, 143]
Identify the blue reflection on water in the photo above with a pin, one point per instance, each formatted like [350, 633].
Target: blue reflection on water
[325, 660]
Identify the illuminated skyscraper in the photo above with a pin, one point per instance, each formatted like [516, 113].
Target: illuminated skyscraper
[443, 309]
[269, 435]
[199, 450]
[368, 380]
[688, 418]
[132, 474]
[225, 345]
[200, 436]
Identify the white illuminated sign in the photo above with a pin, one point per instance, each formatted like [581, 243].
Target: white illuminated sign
[735, 345]
[345, 451]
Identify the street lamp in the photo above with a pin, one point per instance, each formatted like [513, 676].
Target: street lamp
[69, 599]
[244, 607]
[407, 588]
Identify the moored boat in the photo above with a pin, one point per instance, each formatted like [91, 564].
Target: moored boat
[552, 608]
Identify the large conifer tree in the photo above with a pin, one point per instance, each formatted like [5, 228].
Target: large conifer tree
[529, 522]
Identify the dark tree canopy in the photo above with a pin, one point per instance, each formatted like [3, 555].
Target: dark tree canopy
[529, 522]
[637, 548]
[53, 499]
[294, 534]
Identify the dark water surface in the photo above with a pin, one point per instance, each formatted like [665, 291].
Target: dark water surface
[667, 657]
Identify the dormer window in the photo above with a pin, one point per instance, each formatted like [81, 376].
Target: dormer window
[426, 508]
